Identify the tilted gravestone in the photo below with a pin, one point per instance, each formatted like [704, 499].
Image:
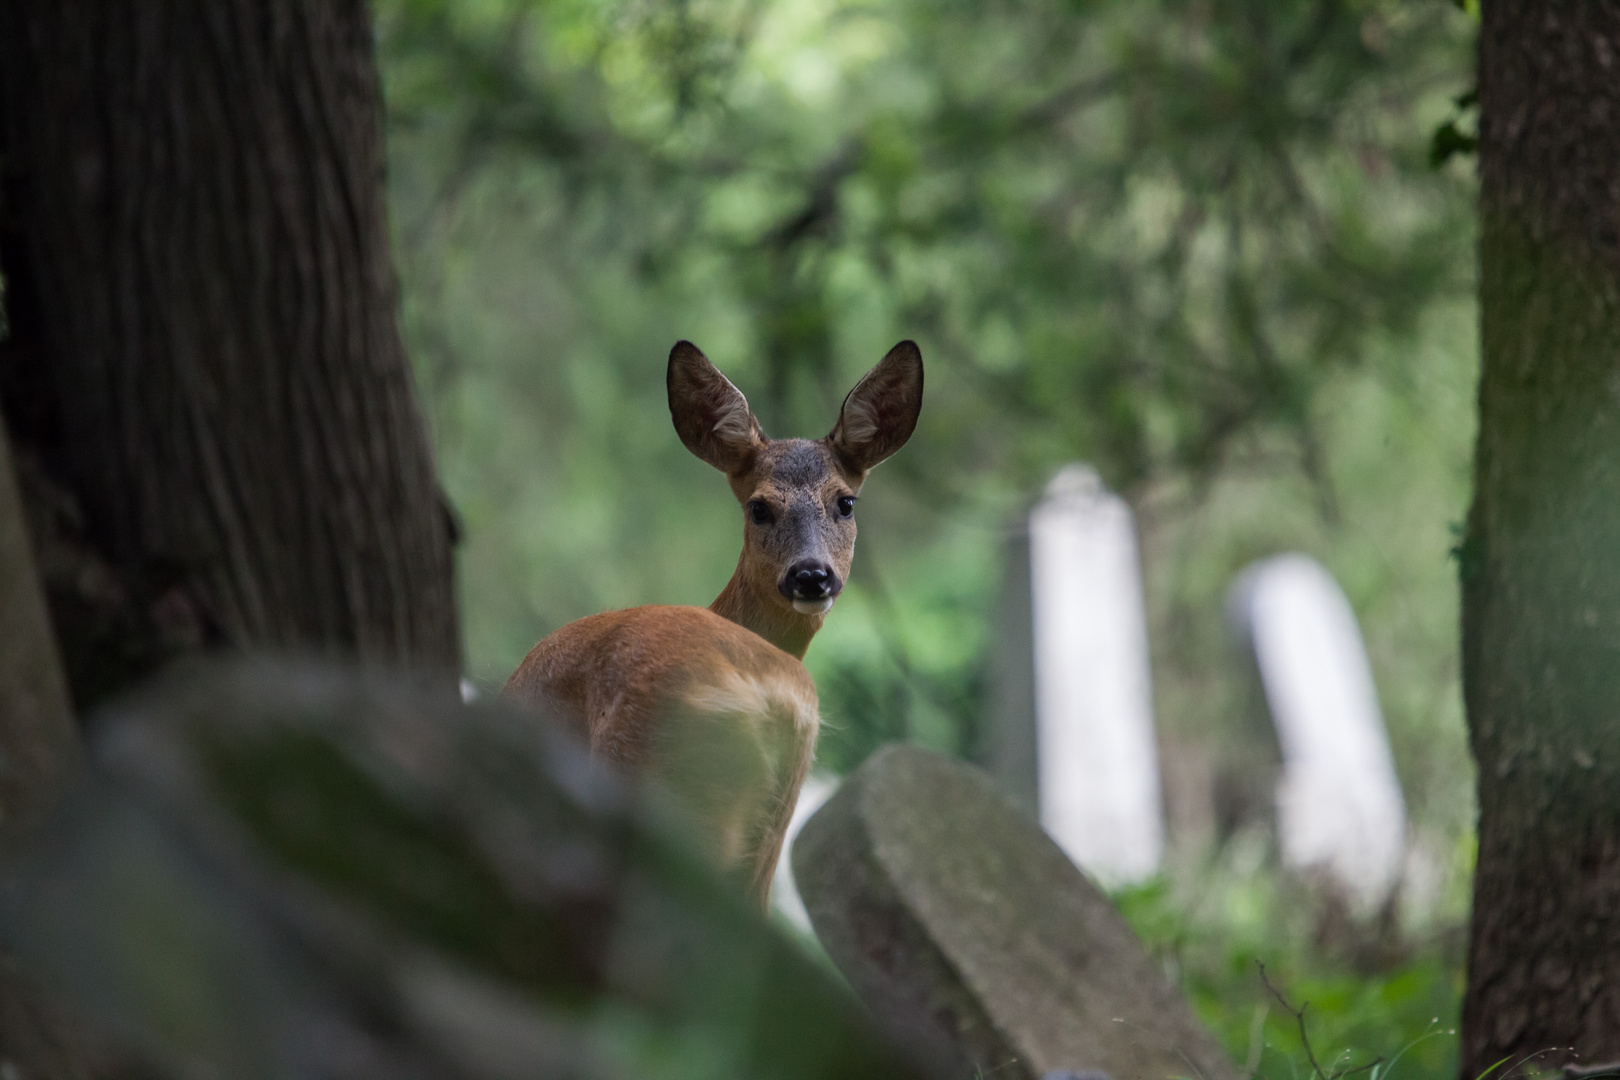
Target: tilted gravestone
[954, 916]
[1339, 803]
[273, 872]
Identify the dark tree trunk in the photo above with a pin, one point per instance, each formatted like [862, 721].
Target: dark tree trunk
[38, 741]
[212, 409]
[1541, 565]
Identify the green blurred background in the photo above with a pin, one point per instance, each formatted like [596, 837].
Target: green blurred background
[1218, 248]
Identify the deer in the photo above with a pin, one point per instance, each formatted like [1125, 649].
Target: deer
[714, 704]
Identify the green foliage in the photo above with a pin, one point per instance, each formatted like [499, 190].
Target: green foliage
[1199, 243]
[1386, 991]
[1152, 234]
[1459, 135]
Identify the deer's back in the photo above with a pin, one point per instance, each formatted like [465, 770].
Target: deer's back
[726, 720]
[612, 675]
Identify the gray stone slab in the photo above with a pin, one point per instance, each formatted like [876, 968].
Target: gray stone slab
[955, 917]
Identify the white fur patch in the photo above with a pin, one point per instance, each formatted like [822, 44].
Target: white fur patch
[860, 422]
[735, 422]
[740, 693]
[814, 607]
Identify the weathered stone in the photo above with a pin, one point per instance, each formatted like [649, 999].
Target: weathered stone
[286, 872]
[954, 916]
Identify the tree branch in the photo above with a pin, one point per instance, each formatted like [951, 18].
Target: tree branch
[1305, 1039]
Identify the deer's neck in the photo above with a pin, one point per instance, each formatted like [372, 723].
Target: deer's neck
[783, 627]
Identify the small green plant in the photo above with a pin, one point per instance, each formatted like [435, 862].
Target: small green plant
[1305, 1038]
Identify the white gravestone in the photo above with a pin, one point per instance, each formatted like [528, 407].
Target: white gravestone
[817, 789]
[1339, 804]
[1097, 765]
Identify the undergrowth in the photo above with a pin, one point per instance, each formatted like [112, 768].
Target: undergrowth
[1294, 985]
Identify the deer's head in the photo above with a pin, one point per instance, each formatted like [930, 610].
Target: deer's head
[798, 495]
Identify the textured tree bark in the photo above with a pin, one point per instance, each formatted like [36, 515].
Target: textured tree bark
[39, 743]
[1541, 562]
[213, 413]
[39, 747]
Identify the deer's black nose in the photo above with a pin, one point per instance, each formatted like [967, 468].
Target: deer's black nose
[809, 581]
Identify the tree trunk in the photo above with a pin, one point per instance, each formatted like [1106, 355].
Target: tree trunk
[39, 743]
[39, 747]
[1541, 564]
[213, 413]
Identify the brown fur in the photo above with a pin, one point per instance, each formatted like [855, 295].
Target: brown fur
[714, 703]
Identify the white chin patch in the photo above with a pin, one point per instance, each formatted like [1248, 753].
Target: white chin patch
[813, 607]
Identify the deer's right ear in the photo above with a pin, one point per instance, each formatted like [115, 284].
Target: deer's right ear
[711, 416]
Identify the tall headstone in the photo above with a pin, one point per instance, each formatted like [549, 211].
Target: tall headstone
[1339, 805]
[1084, 661]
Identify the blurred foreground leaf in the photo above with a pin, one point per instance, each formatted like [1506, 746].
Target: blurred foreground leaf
[295, 872]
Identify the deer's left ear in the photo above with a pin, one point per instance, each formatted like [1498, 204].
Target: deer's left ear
[880, 414]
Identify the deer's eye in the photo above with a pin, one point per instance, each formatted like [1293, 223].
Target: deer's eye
[759, 512]
[846, 506]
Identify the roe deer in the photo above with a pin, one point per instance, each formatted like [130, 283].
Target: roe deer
[714, 702]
